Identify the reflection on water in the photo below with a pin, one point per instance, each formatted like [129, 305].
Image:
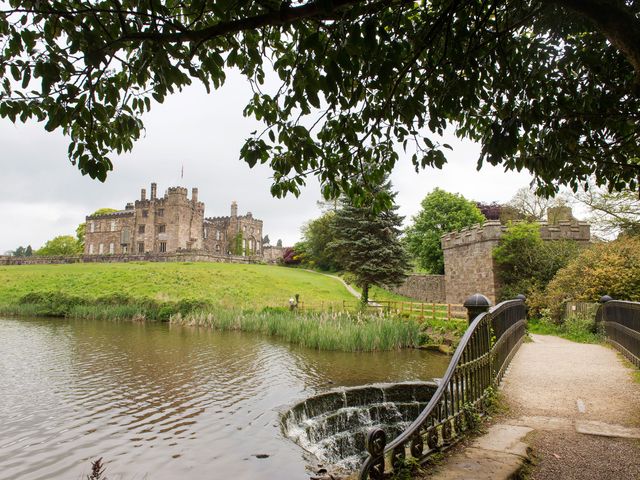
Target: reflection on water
[159, 401]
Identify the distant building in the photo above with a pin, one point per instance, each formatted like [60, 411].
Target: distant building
[169, 224]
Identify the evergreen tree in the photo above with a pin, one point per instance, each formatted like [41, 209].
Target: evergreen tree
[28, 252]
[367, 245]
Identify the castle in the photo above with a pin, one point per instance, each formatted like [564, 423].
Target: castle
[171, 224]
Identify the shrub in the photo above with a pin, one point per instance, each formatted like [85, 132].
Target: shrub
[611, 268]
[526, 263]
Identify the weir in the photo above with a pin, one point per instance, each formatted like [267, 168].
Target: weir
[333, 426]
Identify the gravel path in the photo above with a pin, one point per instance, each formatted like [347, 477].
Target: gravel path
[552, 386]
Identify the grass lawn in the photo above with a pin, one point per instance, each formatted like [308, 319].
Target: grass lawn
[223, 284]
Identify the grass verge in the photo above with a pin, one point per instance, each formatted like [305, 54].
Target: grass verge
[576, 328]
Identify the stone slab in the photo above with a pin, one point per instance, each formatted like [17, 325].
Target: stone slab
[539, 422]
[606, 430]
[497, 455]
[504, 438]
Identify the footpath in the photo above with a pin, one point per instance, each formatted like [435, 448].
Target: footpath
[573, 412]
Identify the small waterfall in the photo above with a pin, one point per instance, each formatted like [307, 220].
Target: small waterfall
[333, 426]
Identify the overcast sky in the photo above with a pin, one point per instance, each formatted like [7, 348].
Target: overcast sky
[42, 195]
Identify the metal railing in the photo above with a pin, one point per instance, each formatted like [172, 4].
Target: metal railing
[621, 324]
[478, 363]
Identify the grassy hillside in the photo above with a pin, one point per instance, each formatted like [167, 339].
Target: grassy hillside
[223, 296]
[221, 284]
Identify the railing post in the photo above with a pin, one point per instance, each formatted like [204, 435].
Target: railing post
[475, 305]
[603, 300]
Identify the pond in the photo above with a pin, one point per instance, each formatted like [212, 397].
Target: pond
[164, 402]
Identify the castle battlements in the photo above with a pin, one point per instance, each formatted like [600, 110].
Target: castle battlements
[119, 213]
[488, 231]
[492, 230]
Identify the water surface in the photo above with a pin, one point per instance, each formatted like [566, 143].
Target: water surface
[165, 402]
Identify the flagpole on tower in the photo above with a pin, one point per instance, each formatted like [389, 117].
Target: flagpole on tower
[182, 173]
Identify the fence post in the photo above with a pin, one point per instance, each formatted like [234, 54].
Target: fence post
[475, 305]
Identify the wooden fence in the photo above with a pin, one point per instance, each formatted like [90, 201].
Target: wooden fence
[584, 309]
[417, 310]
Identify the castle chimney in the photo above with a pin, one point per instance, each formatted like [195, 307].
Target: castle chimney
[194, 195]
[154, 189]
[234, 209]
[143, 194]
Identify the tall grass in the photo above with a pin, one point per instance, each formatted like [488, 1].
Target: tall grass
[318, 330]
[321, 331]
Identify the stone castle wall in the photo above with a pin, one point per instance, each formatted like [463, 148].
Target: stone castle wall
[468, 256]
[468, 262]
[423, 288]
[272, 253]
[190, 256]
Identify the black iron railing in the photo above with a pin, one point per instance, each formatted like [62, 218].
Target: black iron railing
[478, 363]
[621, 324]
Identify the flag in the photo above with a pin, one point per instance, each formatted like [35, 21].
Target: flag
[182, 172]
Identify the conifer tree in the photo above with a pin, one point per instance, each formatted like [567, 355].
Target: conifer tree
[367, 245]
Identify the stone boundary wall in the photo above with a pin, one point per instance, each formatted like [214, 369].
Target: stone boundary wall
[124, 258]
[423, 288]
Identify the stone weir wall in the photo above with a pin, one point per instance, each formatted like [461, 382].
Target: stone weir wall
[423, 288]
[190, 256]
[333, 426]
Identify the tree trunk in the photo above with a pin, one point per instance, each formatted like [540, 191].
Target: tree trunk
[364, 298]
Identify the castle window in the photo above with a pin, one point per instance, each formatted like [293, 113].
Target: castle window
[101, 249]
[140, 228]
[125, 248]
[91, 249]
[112, 248]
[163, 247]
[206, 232]
[160, 212]
[217, 234]
[92, 226]
[113, 225]
[162, 228]
[140, 247]
[145, 213]
[217, 248]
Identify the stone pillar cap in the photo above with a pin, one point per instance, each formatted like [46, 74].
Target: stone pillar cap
[477, 300]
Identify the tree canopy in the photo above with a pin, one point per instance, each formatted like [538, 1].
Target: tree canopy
[442, 212]
[552, 86]
[317, 235]
[61, 245]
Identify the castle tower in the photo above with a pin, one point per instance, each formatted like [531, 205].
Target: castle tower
[234, 209]
[154, 189]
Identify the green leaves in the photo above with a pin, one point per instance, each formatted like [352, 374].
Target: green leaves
[536, 85]
[442, 212]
